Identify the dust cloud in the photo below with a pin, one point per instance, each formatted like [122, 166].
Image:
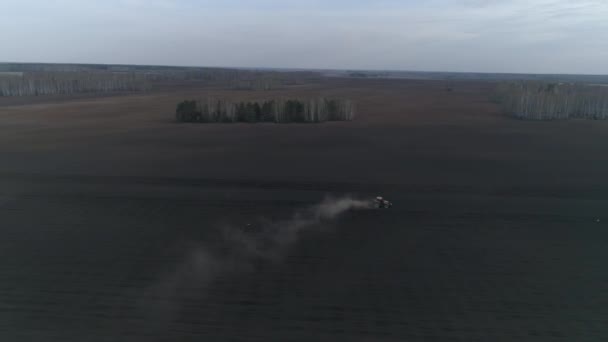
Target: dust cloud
[266, 240]
[239, 250]
[271, 240]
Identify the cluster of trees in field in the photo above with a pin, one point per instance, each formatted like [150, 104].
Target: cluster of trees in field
[276, 110]
[48, 83]
[548, 101]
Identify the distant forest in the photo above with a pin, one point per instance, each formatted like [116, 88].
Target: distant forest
[277, 111]
[21, 79]
[549, 101]
[468, 76]
[49, 83]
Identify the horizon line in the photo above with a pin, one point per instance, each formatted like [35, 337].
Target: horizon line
[305, 69]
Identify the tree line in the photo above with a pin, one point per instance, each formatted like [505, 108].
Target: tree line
[548, 101]
[72, 79]
[49, 83]
[276, 110]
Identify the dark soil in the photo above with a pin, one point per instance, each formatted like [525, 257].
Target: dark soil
[498, 230]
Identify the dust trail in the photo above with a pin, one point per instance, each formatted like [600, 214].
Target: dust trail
[239, 250]
[273, 239]
[4, 200]
[267, 240]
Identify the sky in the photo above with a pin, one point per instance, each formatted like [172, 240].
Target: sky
[525, 36]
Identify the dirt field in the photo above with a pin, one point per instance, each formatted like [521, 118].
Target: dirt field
[109, 211]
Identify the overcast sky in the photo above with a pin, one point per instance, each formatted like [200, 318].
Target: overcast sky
[537, 36]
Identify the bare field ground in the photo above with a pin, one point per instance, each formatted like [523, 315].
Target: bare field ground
[498, 230]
